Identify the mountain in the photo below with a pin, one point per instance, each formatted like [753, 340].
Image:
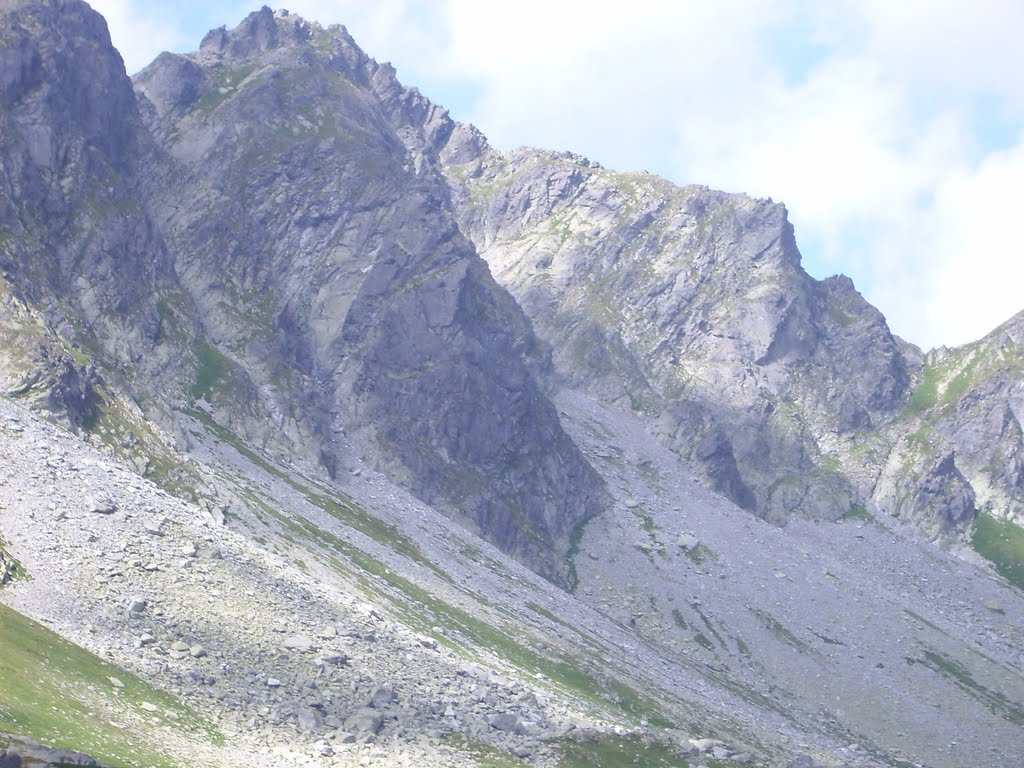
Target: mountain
[332, 433]
[310, 262]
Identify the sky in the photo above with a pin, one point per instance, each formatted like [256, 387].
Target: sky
[892, 131]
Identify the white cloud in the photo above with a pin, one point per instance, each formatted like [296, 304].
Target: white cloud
[971, 266]
[139, 33]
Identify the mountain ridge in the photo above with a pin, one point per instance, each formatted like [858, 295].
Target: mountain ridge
[313, 461]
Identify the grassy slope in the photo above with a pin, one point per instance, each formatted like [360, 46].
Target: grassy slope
[60, 694]
[1001, 542]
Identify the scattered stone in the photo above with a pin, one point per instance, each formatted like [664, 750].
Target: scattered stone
[215, 514]
[148, 706]
[995, 606]
[705, 745]
[273, 682]
[180, 646]
[21, 752]
[323, 749]
[365, 720]
[383, 696]
[300, 643]
[101, 505]
[329, 632]
[506, 721]
[310, 721]
[117, 683]
[686, 542]
[631, 503]
[197, 651]
[137, 605]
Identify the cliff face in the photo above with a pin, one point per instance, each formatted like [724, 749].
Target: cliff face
[83, 264]
[272, 200]
[690, 307]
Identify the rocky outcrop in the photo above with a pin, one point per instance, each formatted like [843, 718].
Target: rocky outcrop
[689, 305]
[21, 752]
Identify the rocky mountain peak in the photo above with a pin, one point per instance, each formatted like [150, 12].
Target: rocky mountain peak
[259, 32]
[309, 181]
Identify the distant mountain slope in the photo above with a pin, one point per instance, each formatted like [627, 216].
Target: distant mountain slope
[961, 434]
[690, 307]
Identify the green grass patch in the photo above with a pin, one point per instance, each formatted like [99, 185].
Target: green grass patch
[1002, 543]
[700, 554]
[926, 393]
[858, 512]
[614, 751]
[224, 85]
[213, 374]
[995, 701]
[919, 438]
[484, 755]
[60, 694]
[10, 569]
[781, 633]
[574, 549]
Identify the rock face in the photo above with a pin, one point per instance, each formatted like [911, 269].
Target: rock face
[76, 239]
[960, 448]
[263, 227]
[690, 306]
[312, 230]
